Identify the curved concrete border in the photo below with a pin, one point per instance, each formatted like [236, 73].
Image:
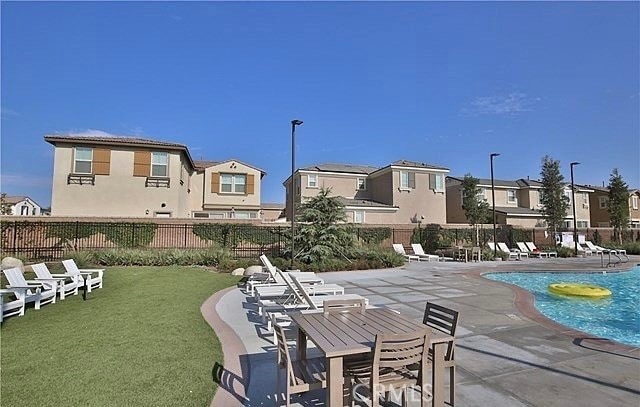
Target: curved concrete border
[231, 389]
[525, 303]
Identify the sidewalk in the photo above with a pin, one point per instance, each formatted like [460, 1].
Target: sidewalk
[505, 357]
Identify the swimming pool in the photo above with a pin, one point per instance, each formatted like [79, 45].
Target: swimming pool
[614, 317]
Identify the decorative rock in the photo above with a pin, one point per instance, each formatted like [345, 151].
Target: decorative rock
[238, 272]
[11, 262]
[251, 270]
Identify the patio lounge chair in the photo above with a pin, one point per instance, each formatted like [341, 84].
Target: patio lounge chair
[389, 369]
[300, 376]
[533, 249]
[275, 291]
[419, 251]
[91, 277]
[599, 249]
[10, 307]
[38, 292]
[492, 246]
[276, 280]
[581, 250]
[64, 287]
[524, 249]
[400, 250]
[503, 246]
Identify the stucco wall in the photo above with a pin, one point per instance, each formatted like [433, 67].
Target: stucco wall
[229, 200]
[418, 202]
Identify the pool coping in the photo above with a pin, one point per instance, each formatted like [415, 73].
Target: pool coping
[525, 303]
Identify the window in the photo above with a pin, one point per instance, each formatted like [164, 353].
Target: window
[312, 180]
[582, 224]
[436, 182]
[585, 199]
[82, 162]
[603, 201]
[162, 214]
[361, 184]
[634, 202]
[233, 183]
[511, 196]
[358, 216]
[407, 180]
[24, 210]
[567, 224]
[159, 164]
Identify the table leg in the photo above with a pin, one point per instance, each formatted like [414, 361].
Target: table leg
[301, 345]
[438, 373]
[334, 382]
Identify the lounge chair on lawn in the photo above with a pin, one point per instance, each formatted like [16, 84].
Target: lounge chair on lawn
[10, 307]
[533, 249]
[419, 251]
[581, 250]
[400, 250]
[38, 292]
[67, 284]
[524, 249]
[91, 277]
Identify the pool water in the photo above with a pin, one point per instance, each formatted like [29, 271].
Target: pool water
[616, 317]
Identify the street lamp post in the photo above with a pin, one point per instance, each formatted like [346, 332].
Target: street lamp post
[573, 202]
[493, 203]
[294, 123]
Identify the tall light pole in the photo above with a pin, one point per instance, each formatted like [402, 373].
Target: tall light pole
[294, 123]
[573, 202]
[493, 203]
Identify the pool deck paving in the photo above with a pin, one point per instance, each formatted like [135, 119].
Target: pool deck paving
[507, 353]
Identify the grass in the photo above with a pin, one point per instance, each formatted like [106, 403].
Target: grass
[140, 340]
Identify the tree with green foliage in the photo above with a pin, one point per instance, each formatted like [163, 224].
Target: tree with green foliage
[322, 232]
[5, 208]
[476, 208]
[618, 206]
[555, 203]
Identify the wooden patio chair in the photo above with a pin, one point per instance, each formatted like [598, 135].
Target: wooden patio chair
[393, 354]
[444, 320]
[300, 375]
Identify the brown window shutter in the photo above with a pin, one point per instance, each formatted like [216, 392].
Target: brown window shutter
[250, 184]
[215, 182]
[101, 161]
[412, 180]
[141, 163]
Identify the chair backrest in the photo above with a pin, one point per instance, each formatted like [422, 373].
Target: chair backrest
[590, 245]
[531, 246]
[503, 247]
[301, 293]
[16, 279]
[41, 270]
[284, 357]
[396, 351]
[267, 263]
[492, 246]
[71, 266]
[399, 248]
[339, 306]
[443, 319]
[522, 247]
[417, 248]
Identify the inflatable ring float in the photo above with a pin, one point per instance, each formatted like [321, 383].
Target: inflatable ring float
[579, 290]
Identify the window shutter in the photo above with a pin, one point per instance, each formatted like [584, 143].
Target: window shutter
[412, 180]
[250, 184]
[101, 161]
[141, 163]
[215, 182]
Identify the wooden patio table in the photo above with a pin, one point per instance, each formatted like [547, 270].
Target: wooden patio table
[352, 333]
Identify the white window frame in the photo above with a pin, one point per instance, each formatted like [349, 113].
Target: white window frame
[361, 182]
[437, 185]
[76, 159]
[634, 202]
[585, 199]
[154, 155]
[515, 196]
[355, 216]
[313, 184]
[404, 176]
[234, 183]
[582, 224]
[603, 202]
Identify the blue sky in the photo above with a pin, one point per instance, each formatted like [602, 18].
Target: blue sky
[444, 83]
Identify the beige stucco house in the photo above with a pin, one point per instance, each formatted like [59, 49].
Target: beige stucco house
[138, 177]
[517, 202]
[599, 201]
[399, 193]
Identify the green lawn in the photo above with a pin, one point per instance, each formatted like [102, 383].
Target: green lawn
[139, 341]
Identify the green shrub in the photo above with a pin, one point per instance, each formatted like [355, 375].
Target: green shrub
[373, 235]
[632, 248]
[358, 259]
[157, 257]
[562, 251]
[83, 259]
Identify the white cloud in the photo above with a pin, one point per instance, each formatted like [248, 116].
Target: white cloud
[510, 104]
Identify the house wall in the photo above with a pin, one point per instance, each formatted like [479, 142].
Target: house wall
[116, 194]
[340, 185]
[380, 187]
[224, 200]
[418, 202]
[634, 214]
[455, 213]
[32, 208]
[373, 216]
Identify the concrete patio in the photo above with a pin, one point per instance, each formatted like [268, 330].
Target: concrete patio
[507, 354]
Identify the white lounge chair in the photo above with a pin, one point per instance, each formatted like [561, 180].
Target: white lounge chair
[38, 292]
[276, 280]
[67, 284]
[524, 249]
[400, 250]
[276, 291]
[503, 246]
[581, 250]
[418, 250]
[599, 249]
[91, 277]
[9, 307]
[492, 246]
[533, 249]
